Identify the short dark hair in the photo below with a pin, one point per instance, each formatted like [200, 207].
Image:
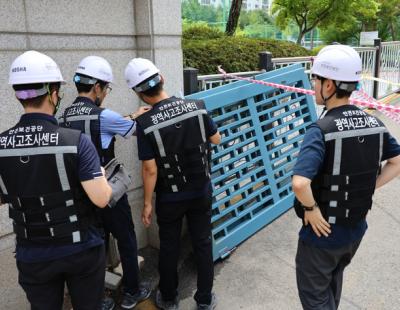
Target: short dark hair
[36, 102]
[86, 88]
[340, 93]
[154, 91]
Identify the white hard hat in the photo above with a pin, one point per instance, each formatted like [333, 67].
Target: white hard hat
[339, 63]
[139, 70]
[33, 68]
[96, 67]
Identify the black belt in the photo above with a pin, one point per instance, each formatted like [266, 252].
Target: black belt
[361, 178]
[327, 195]
[56, 231]
[44, 216]
[38, 201]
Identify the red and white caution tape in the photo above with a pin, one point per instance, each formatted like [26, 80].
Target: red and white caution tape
[393, 116]
[368, 104]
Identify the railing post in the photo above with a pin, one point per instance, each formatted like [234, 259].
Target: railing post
[378, 45]
[190, 82]
[265, 61]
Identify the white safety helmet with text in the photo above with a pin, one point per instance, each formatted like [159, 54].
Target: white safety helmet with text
[34, 68]
[95, 67]
[338, 62]
[139, 70]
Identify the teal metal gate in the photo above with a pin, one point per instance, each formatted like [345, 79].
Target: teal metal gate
[262, 129]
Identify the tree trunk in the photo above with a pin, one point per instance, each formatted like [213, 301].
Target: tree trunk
[233, 18]
[392, 32]
[300, 37]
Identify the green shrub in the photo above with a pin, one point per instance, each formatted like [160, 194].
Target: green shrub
[316, 50]
[234, 54]
[200, 31]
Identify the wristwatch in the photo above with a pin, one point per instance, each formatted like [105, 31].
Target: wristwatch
[132, 116]
[306, 208]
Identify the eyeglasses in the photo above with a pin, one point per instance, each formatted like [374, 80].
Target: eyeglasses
[108, 89]
[315, 77]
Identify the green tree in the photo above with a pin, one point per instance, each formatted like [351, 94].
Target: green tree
[254, 17]
[309, 14]
[388, 19]
[192, 10]
[257, 24]
[346, 28]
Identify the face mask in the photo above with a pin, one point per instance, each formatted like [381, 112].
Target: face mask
[97, 101]
[60, 95]
[57, 105]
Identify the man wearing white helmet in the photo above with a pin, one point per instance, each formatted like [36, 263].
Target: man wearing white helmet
[52, 181]
[335, 176]
[174, 146]
[92, 80]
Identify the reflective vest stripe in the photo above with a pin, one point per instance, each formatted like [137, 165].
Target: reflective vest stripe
[354, 133]
[174, 120]
[160, 143]
[86, 118]
[62, 173]
[337, 160]
[202, 129]
[47, 150]
[79, 118]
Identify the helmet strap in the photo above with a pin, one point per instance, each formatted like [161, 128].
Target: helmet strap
[326, 99]
[57, 104]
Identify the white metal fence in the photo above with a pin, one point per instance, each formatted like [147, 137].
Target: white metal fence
[389, 69]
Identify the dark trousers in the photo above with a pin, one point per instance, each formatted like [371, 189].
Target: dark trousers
[169, 219]
[319, 274]
[83, 273]
[118, 221]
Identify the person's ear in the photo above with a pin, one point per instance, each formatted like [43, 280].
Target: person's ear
[54, 96]
[330, 85]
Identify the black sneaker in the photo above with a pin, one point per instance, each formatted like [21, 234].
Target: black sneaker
[107, 304]
[166, 304]
[211, 306]
[129, 301]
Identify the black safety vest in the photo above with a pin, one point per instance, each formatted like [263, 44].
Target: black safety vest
[84, 115]
[39, 180]
[176, 130]
[345, 185]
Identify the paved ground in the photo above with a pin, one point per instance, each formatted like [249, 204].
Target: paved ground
[260, 274]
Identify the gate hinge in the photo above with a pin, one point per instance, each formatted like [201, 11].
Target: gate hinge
[225, 252]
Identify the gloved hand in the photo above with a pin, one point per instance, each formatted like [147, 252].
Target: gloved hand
[119, 180]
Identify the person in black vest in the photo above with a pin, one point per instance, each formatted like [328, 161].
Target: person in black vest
[335, 176]
[174, 146]
[92, 80]
[52, 181]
